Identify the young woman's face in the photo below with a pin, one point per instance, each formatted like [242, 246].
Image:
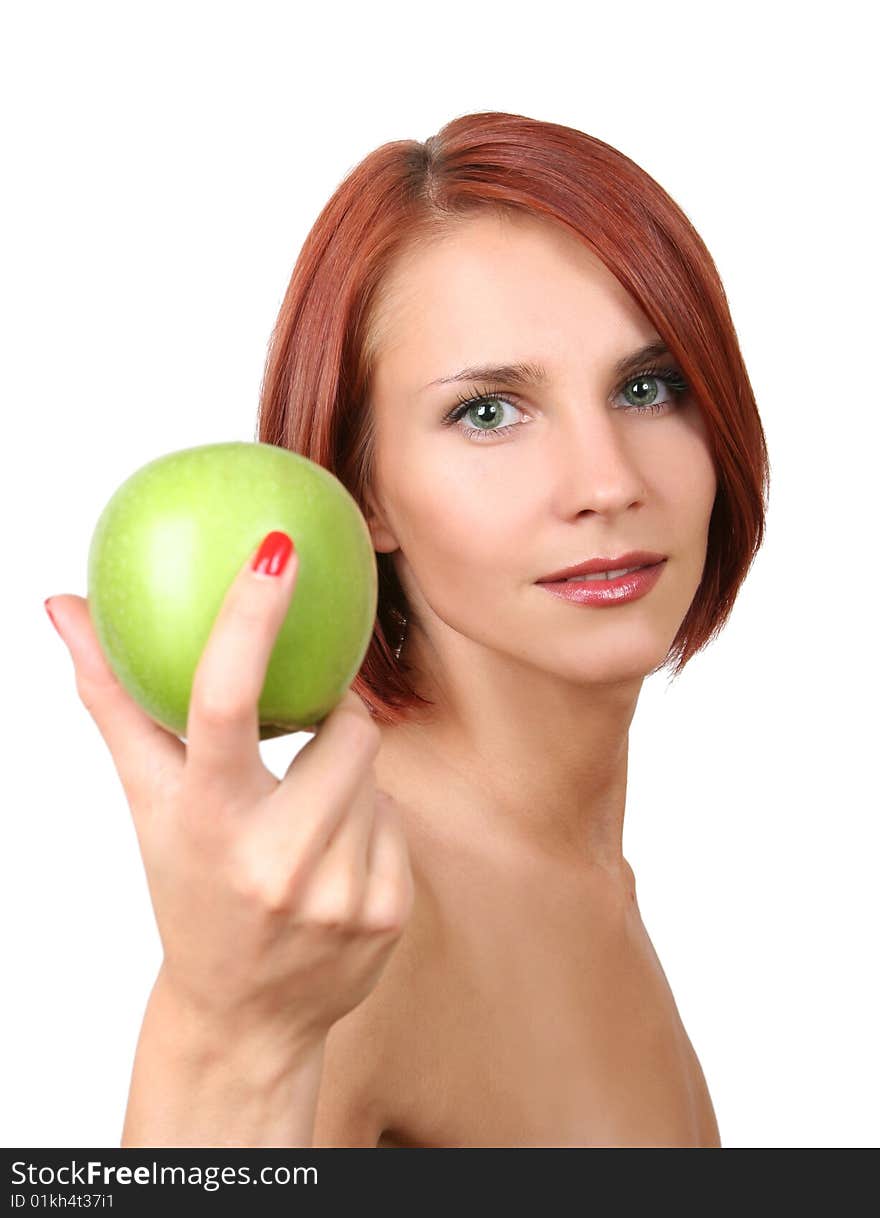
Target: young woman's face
[585, 464]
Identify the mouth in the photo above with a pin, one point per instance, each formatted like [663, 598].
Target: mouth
[609, 569]
[606, 588]
[607, 577]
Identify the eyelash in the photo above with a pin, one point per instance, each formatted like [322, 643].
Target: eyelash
[480, 394]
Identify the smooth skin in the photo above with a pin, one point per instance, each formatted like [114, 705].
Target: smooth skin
[503, 991]
[277, 903]
[527, 1004]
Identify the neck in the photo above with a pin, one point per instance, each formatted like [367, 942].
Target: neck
[523, 760]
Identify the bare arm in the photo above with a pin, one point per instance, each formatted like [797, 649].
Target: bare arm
[278, 903]
[197, 1086]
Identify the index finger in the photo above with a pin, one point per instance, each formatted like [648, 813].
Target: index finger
[223, 730]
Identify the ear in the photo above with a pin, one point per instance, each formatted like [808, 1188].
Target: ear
[384, 540]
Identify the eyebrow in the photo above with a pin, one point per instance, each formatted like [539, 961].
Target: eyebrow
[535, 374]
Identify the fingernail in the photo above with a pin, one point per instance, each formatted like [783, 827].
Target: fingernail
[49, 611]
[272, 556]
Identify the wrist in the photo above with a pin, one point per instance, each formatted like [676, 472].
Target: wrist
[202, 1081]
[268, 1053]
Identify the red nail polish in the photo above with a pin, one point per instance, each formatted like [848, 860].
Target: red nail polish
[272, 556]
[49, 611]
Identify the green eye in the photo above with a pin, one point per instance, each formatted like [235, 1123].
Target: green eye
[480, 399]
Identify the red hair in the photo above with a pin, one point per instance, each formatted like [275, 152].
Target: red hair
[405, 193]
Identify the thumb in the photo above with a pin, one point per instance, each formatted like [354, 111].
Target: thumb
[142, 750]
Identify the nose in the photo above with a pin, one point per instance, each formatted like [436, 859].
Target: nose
[595, 467]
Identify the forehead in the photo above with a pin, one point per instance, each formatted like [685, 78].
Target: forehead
[505, 286]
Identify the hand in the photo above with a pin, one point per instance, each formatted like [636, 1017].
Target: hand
[278, 904]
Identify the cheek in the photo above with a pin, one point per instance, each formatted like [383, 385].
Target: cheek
[688, 491]
[457, 526]
[688, 476]
[705, 480]
[704, 487]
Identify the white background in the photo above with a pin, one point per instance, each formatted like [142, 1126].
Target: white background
[162, 165]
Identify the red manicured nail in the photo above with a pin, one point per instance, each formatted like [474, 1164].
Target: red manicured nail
[49, 611]
[272, 556]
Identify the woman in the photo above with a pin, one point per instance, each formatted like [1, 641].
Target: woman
[512, 347]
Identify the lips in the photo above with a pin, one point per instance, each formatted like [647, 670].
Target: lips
[594, 566]
[607, 593]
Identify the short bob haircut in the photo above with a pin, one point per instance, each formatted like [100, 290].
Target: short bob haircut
[315, 393]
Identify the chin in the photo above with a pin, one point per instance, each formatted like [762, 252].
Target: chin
[624, 663]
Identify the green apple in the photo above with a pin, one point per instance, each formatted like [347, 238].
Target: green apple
[170, 542]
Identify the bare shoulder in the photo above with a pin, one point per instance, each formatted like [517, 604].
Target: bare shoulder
[365, 1077]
